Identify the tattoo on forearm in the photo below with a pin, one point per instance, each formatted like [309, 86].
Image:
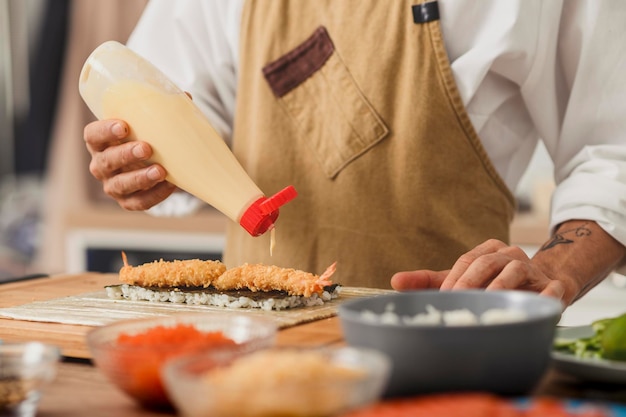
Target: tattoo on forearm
[560, 239]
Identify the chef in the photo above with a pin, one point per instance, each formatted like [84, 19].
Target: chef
[404, 126]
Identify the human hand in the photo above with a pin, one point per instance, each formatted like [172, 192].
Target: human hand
[492, 265]
[123, 168]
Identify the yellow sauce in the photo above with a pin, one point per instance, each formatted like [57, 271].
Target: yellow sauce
[272, 240]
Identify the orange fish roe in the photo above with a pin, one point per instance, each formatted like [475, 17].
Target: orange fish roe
[182, 335]
[143, 354]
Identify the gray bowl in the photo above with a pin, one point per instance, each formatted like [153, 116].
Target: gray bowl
[506, 358]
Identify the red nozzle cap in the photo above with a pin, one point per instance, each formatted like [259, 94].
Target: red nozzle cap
[261, 215]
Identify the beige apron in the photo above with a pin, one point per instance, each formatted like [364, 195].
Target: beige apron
[355, 104]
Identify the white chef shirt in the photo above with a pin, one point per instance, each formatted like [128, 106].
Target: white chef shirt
[525, 69]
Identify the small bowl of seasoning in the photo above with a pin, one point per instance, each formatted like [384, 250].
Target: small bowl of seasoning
[25, 369]
[131, 353]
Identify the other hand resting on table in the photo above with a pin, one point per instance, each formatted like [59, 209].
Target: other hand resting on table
[576, 258]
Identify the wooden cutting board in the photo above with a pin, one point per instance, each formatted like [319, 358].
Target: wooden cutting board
[62, 309]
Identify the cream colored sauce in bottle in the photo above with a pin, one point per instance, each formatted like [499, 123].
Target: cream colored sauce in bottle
[196, 158]
[117, 83]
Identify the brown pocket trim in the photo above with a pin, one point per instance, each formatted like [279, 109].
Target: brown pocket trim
[293, 68]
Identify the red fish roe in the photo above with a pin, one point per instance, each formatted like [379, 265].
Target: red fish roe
[142, 355]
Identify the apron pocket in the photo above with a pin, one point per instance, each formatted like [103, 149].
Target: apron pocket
[330, 112]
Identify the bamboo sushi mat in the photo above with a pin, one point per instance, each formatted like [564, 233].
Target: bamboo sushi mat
[96, 309]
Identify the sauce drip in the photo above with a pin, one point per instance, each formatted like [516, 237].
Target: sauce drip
[272, 240]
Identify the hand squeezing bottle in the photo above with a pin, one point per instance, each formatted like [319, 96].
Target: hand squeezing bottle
[117, 83]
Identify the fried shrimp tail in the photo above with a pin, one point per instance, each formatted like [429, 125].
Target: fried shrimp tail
[185, 273]
[324, 279]
[259, 277]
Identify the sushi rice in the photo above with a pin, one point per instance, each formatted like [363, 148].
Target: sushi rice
[137, 293]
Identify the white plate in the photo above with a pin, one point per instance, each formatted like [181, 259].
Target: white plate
[588, 369]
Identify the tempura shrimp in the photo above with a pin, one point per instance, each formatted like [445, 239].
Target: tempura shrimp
[183, 273]
[259, 277]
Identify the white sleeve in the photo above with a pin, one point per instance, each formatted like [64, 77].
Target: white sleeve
[575, 94]
[179, 204]
[195, 44]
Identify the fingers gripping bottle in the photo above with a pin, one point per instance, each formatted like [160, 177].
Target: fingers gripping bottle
[117, 83]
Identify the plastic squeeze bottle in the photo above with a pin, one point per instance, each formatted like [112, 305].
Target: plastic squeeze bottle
[117, 83]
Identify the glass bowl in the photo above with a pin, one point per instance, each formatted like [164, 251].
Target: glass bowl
[295, 382]
[131, 352]
[25, 369]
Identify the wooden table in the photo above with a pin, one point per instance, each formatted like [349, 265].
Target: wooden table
[81, 390]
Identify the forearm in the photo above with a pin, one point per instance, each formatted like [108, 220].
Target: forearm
[580, 255]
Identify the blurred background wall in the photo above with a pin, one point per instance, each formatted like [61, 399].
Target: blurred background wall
[43, 44]
[32, 44]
